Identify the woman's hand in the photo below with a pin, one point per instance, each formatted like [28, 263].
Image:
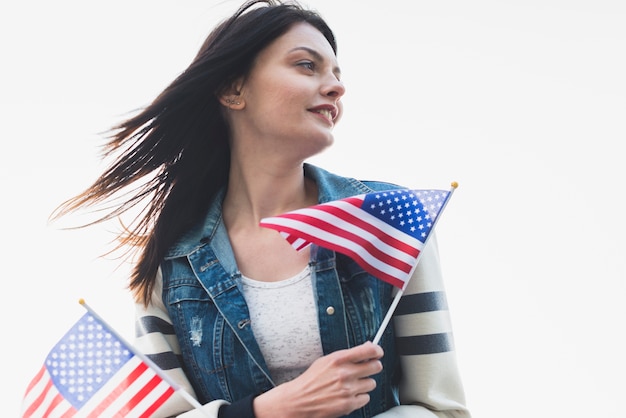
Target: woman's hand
[334, 385]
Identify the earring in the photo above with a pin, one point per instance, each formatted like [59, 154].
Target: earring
[231, 102]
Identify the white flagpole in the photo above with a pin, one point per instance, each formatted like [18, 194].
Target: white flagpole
[149, 362]
[398, 296]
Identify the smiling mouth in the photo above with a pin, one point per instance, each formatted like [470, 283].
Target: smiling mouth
[327, 113]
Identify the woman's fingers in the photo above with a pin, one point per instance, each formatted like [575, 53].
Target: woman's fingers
[334, 385]
[365, 351]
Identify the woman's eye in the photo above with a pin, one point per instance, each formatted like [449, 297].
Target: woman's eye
[309, 65]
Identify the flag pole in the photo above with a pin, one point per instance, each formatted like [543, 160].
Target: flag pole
[149, 362]
[398, 296]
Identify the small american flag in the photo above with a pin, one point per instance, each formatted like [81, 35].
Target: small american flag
[383, 231]
[92, 373]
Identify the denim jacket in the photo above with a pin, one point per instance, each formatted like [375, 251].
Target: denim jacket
[203, 297]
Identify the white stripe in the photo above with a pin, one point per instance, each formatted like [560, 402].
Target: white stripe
[155, 343]
[37, 390]
[149, 399]
[131, 391]
[422, 323]
[298, 243]
[60, 409]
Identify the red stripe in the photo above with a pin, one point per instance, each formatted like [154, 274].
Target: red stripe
[165, 396]
[291, 239]
[139, 396]
[36, 379]
[333, 246]
[55, 402]
[360, 223]
[69, 413]
[115, 393]
[361, 242]
[42, 396]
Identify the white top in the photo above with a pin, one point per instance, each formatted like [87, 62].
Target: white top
[283, 317]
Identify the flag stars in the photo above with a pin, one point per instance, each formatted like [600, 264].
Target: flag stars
[407, 209]
[85, 358]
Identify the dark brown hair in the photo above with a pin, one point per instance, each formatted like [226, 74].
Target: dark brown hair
[173, 157]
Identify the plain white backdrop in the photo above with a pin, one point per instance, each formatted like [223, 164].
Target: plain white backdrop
[522, 103]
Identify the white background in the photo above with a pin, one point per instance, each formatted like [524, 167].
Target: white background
[523, 103]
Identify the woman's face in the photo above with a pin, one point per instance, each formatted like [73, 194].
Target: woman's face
[291, 96]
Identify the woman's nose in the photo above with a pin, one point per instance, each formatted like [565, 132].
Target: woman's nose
[333, 87]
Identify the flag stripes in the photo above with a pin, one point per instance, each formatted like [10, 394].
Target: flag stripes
[385, 252]
[137, 395]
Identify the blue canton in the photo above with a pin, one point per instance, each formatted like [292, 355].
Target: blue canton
[410, 211]
[85, 359]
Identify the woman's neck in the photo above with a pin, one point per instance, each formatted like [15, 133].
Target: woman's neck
[256, 191]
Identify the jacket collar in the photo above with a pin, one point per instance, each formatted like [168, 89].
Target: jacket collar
[330, 187]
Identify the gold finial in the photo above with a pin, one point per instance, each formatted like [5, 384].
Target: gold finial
[81, 301]
[454, 184]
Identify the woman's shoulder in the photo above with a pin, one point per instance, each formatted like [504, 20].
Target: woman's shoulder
[335, 186]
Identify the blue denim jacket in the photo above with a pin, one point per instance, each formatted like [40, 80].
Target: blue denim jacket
[202, 292]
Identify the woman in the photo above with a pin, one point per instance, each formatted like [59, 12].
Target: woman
[246, 324]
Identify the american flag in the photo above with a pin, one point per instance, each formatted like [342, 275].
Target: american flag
[383, 231]
[92, 373]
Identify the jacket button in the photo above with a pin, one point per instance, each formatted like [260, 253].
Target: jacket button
[330, 310]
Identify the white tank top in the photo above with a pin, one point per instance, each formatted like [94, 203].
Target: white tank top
[283, 317]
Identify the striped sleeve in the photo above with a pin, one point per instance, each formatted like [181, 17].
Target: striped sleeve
[430, 385]
[155, 337]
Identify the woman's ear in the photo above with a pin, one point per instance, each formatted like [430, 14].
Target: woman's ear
[232, 97]
[232, 101]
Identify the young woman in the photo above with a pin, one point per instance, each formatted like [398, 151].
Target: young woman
[246, 324]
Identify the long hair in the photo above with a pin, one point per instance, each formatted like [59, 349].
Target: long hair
[174, 156]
